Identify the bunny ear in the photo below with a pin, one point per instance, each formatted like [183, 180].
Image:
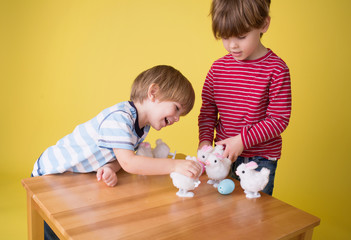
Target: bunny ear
[251, 165]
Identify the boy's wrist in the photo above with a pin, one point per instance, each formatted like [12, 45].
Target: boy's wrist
[203, 143]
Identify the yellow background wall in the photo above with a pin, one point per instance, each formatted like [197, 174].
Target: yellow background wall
[61, 62]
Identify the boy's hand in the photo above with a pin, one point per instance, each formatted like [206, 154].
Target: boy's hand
[107, 174]
[233, 147]
[192, 169]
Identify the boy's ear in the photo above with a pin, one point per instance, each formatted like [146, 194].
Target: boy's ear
[153, 91]
[266, 25]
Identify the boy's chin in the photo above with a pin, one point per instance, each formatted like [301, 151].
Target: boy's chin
[157, 128]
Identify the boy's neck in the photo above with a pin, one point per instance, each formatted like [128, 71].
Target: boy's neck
[260, 52]
[142, 116]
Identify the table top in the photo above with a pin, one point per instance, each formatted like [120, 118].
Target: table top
[147, 207]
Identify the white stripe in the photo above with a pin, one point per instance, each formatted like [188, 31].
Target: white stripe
[86, 150]
[73, 154]
[58, 155]
[45, 164]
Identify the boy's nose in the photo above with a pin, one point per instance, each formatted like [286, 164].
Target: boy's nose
[233, 44]
[176, 117]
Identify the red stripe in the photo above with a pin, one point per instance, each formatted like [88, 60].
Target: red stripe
[252, 98]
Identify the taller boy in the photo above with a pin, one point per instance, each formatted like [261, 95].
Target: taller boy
[246, 97]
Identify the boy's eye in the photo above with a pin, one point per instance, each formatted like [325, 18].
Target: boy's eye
[241, 37]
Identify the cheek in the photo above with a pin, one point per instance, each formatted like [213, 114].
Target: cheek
[254, 42]
[225, 45]
[167, 112]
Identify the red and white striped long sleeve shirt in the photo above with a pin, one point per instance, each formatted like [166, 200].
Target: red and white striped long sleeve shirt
[251, 98]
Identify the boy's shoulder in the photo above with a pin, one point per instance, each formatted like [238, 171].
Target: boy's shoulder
[125, 107]
[275, 59]
[270, 58]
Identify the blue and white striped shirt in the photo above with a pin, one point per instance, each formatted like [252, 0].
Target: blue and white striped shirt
[91, 144]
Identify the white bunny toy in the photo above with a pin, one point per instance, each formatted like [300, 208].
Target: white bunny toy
[217, 168]
[218, 149]
[144, 149]
[161, 150]
[252, 181]
[202, 155]
[184, 183]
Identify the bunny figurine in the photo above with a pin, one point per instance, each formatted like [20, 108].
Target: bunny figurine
[252, 181]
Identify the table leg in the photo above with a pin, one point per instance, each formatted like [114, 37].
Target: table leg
[307, 235]
[304, 236]
[35, 221]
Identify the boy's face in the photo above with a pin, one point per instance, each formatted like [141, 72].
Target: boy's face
[247, 46]
[164, 113]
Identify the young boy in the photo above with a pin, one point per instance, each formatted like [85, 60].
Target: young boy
[246, 97]
[106, 143]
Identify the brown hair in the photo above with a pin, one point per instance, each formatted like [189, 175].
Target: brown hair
[237, 17]
[172, 84]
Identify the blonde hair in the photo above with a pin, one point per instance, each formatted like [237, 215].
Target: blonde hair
[171, 83]
[237, 17]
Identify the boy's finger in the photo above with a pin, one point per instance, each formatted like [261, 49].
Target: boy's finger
[106, 176]
[99, 174]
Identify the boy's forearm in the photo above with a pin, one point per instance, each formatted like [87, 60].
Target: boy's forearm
[278, 114]
[207, 122]
[150, 166]
[144, 165]
[203, 143]
[156, 166]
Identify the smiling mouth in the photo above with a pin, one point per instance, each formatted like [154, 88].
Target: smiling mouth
[236, 53]
[167, 121]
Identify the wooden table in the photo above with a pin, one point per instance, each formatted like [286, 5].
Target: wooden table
[76, 206]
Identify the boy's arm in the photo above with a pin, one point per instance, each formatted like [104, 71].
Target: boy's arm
[155, 166]
[204, 143]
[277, 114]
[208, 113]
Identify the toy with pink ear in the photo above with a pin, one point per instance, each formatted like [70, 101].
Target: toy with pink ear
[160, 151]
[202, 155]
[217, 168]
[144, 149]
[183, 183]
[252, 181]
[219, 149]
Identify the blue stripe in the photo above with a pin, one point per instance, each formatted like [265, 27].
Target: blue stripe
[108, 115]
[91, 145]
[67, 158]
[51, 157]
[121, 134]
[76, 148]
[116, 142]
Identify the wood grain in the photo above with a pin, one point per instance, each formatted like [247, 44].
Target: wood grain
[147, 207]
